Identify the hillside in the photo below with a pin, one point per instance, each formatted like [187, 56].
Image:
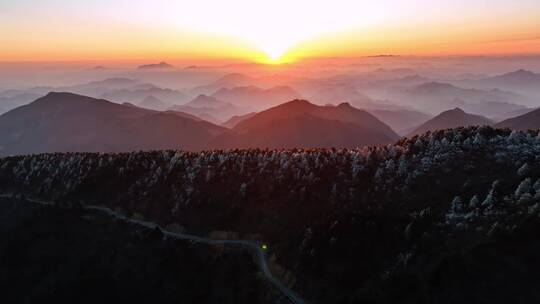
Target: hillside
[530, 120]
[451, 119]
[100, 259]
[299, 123]
[65, 122]
[446, 217]
[233, 121]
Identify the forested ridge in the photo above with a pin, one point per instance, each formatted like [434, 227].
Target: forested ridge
[449, 216]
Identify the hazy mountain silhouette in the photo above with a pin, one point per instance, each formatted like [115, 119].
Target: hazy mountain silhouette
[228, 81]
[496, 110]
[151, 102]
[451, 119]
[255, 97]
[299, 123]
[436, 96]
[233, 121]
[516, 78]
[513, 114]
[12, 101]
[167, 96]
[401, 121]
[211, 109]
[530, 120]
[161, 65]
[202, 101]
[65, 122]
[523, 81]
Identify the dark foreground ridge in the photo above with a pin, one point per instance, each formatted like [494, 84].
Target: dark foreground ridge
[255, 247]
[64, 255]
[444, 217]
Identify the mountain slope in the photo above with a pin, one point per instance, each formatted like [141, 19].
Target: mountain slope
[451, 119]
[233, 121]
[530, 120]
[299, 123]
[446, 217]
[95, 258]
[151, 102]
[434, 97]
[65, 122]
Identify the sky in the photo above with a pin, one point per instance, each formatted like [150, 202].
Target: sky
[266, 31]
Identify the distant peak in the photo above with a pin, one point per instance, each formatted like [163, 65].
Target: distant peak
[299, 102]
[161, 65]
[58, 94]
[457, 109]
[344, 105]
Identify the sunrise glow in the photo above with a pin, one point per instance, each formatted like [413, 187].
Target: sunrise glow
[263, 31]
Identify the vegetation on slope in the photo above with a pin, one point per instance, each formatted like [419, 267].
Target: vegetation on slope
[430, 219]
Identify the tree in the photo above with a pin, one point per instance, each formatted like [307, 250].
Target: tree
[523, 188]
[523, 170]
[536, 188]
[490, 199]
[474, 202]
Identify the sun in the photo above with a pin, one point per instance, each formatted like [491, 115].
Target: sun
[274, 54]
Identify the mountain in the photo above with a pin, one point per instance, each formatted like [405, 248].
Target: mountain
[167, 96]
[496, 110]
[451, 119]
[299, 123]
[446, 217]
[211, 109]
[517, 78]
[92, 255]
[523, 81]
[255, 97]
[65, 122]
[100, 87]
[9, 102]
[205, 101]
[401, 121]
[151, 102]
[434, 97]
[513, 114]
[154, 66]
[530, 120]
[233, 121]
[228, 81]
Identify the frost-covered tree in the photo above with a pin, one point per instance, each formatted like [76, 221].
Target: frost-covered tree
[523, 170]
[490, 199]
[523, 188]
[474, 202]
[536, 188]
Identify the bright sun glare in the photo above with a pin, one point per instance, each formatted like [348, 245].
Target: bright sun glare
[277, 26]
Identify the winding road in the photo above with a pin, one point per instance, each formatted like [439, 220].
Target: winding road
[254, 246]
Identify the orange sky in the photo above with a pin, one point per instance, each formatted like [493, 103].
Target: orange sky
[60, 30]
